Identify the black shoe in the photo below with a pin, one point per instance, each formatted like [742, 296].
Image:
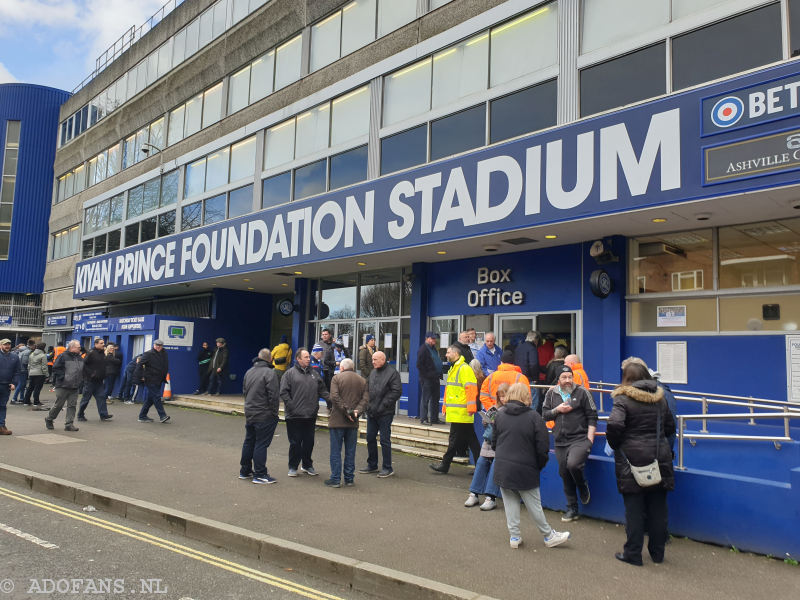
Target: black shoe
[386, 473]
[334, 483]
[424, 422]
[657, 559]
[37, 407]
[48, 423]
[196, 392]
[107, 418]
[70, 428]
[82, 419]
[349, 483]
[368, 470]
[630, 561]
[570, 515]
[439, 468]
[584, 494]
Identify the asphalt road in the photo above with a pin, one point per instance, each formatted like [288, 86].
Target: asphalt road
[53, 549]
[413, 522]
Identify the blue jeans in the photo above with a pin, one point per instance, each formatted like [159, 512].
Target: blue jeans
[215, 382]
[483, 479]
[536, 399]
[5, 392]
[109, 383]
[257, 438]
[348, 435]
[379, 425]
[153, 399]
[21, 382]
[98, 390]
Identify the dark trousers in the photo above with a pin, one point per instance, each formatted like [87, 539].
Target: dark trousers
[215, 382]
[5, 392]
[301, 441]
[19, 390]
[126, 387]
[203, 376]
[646, 512]
[382, 426]
[327, 376]
[571, 462]
[35, 383]
[462, 435]
[153, 399]
[429, 401]
[110, 382]
[98, 390]
[257, 438]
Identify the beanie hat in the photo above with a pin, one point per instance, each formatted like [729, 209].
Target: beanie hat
[369, 338]
[564, 369]
[316, 348]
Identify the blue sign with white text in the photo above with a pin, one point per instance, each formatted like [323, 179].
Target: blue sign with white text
[140, 323]
[5, 319]
[56, 320]
[647, 155]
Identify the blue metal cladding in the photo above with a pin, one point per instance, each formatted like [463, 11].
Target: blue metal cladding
[36, 107]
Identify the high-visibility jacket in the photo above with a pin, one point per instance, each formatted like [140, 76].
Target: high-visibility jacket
[57, 351]
[505, 373]
[579, 376]
[281, 356]
[460, 393]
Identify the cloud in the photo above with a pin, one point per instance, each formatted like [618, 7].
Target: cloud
[5, 75]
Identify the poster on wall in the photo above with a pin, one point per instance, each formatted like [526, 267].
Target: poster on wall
[176, 333]
[793, 368]
[671, 316]
[671, 362]
[444, 339]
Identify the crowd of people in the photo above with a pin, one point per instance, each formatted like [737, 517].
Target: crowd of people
[501, 386]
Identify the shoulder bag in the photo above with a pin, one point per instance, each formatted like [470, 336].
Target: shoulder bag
[648, 475]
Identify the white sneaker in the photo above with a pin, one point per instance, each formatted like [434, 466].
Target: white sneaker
[472, 500]
[515, 542]
[489, 504]
[555, 538]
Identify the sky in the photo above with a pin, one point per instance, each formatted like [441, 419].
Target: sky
[56, 42]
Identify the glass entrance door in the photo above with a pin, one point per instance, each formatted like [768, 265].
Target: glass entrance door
[556, 329]
[513, 329]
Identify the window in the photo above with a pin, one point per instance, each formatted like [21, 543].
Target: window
[192, 36]
[175, 133]
[358, 25]
[348, 167]
[671, 262]
[312, 130]
[437, 3]
[131, 235]
[522, 112]
[214, 209]
[240, 201]
[114, 159]
[193, 119]
[114, 240]
[129, 152]
[191, 216]
[395, 13]
[135, 202]
[759, 254]
[239, 90]
[276, 190]
[404, 150]
[279, 144]
[794, 28]
[88, 249]
[261, 73]
[459, 132]
[532, 36]
[325, 41]
[606, 21]
[65, 242]
[152, 193]
[212, 105]
[287, 62]
[148, 229]
[156, 136]
[309, 180]
[79, 177]
[701, 315]
[100, 245]
[243, 159]
[460, 70]
[217, 169]
[195, 178]
[240, 10]
[117, 209]
[350, 116]
[166, 223]
[169, 189]
[8, 186]
[623, 80]
[407, 92]
[740, 43]
[164, 59]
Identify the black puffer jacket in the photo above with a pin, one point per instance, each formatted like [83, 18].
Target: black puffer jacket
[521, 444]
[153, 367]
[113, 364]
[94, 365]
[385, 388]
[572, 426]
[261, 393]
[301, 390]
[632, 429]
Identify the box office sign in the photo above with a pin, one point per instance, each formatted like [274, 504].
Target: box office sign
[753, 157]
[493, 295]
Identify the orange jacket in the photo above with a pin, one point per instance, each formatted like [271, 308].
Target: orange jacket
[57, 351]
[579, 376]
[505, 373]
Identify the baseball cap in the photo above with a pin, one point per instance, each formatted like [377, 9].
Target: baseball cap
[5, 341]
[432, 334]
[158, 343]
[220, 340]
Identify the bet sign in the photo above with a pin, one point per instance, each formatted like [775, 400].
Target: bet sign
[494, 296]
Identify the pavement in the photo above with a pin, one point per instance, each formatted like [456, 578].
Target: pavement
[413, 522]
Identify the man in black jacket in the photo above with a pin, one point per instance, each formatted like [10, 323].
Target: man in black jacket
[301, 389]
[384, 389]
[261, 402]
[429, 367]
[67, 376]
[152, 370]
[94, 375]
[328, 357]
[218, 368]
[573, 410]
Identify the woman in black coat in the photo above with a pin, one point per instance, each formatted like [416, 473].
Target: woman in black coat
[203, 358]
[522, 447]
[632, 433]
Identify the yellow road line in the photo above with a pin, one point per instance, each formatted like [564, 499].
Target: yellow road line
[216, 561]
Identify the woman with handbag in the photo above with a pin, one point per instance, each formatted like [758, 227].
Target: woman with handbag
[638, 428]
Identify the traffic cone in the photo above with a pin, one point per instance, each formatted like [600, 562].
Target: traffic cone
[167, 395]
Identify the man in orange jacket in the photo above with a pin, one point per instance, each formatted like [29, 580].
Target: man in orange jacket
[580, 377]
[507, 372]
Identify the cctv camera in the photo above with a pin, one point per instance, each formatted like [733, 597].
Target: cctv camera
[795, 204]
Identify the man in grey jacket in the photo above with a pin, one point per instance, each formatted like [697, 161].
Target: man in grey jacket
[384, 389]
[261, 402]
[67, 377]
[301, 389]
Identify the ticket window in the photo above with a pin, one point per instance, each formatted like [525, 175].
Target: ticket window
[556, 329]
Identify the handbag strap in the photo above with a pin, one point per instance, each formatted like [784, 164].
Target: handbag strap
[658, 437]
